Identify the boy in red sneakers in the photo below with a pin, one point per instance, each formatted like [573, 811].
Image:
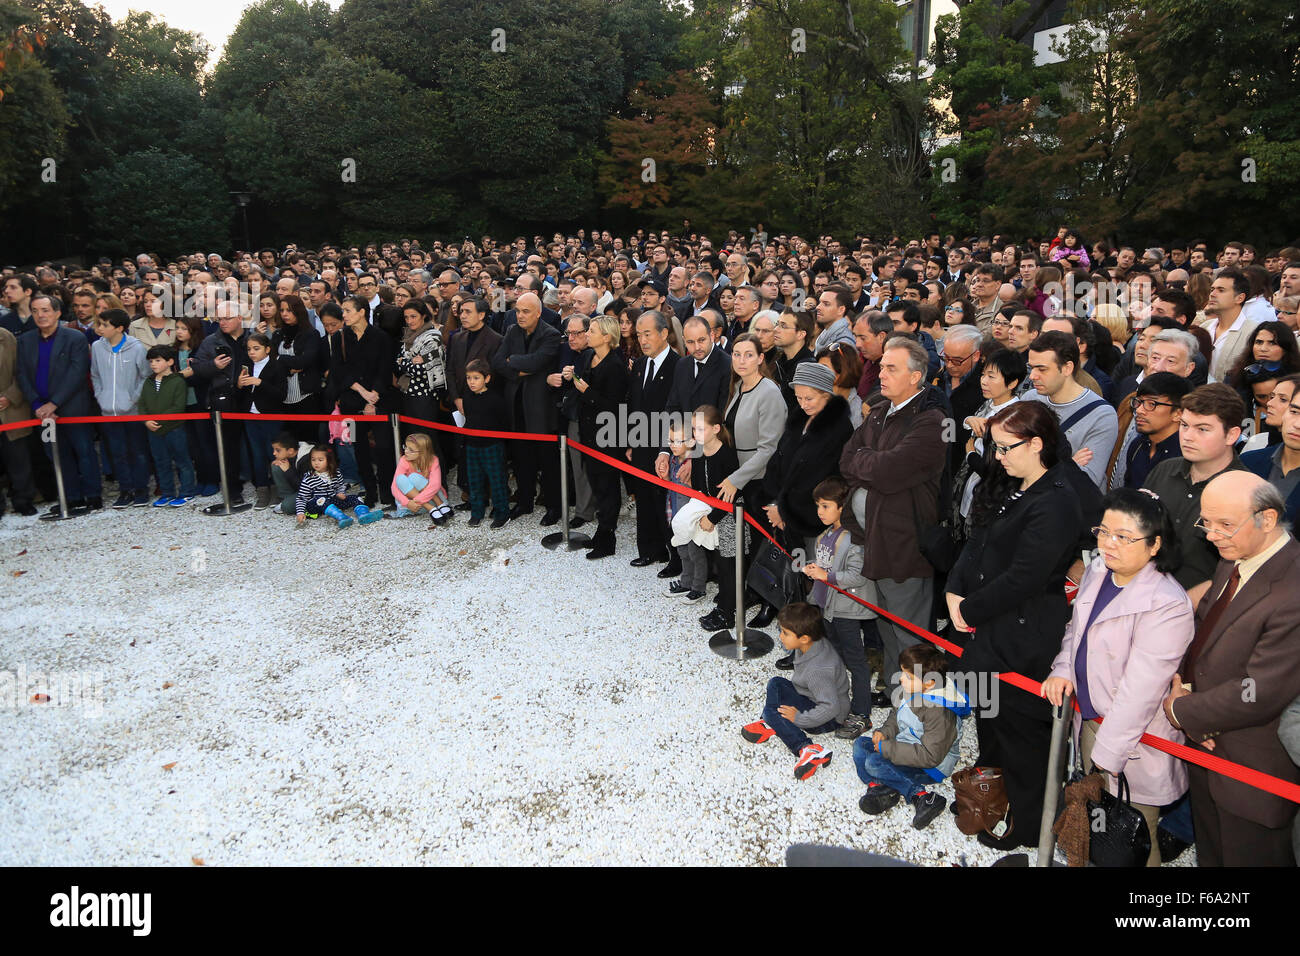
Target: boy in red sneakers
[814, 701]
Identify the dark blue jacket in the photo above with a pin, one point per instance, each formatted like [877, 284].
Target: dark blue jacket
[1260, 461]
[69, 386]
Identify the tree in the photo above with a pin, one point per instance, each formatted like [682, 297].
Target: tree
[157, 199]
[821, 101]
[987, 75]
[274, 41]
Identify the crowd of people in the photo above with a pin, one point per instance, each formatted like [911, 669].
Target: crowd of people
[1078, 462]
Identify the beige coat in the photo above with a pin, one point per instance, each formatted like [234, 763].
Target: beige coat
[18, 409]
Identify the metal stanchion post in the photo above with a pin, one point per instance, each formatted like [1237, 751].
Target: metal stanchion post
[574, 541]
[58, 476]
[746, 643]
[1062, 719]
[397, 440]
[214, 510]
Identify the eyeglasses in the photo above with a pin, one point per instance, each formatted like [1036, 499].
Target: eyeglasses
[1227, 532]
[958, 361]
[1259, 367]
[1149, 404]
[1004, 450]
[1099, 532]
[440, 282]
[1001, 323]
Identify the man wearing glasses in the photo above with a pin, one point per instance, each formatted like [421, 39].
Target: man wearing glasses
[1240, 673]
[985, 282]
[1157, 408]
[1208, 428]
[382, 316]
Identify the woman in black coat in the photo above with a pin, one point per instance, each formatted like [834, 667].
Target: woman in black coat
[300, 350]
[600, 381]
[809, 451]
[361, 383]
[1008, 588]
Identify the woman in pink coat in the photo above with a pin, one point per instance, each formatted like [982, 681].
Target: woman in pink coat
[1131, 624]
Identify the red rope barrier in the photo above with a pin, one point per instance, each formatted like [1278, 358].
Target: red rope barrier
[25, 423]
[1254, 778]
[653, 479]
[477, 432]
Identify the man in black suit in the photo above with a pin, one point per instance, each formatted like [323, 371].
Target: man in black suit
[476, 340]
[527, 354]
[647, 399]
[382, 315]
[530, 283]
[54, 375]
[701, 378]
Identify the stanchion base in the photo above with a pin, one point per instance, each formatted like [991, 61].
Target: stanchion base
[577, 542]
[221, 511]
[756, 645]
[61, 517]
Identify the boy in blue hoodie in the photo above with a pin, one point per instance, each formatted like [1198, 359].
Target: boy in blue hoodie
[920, 742]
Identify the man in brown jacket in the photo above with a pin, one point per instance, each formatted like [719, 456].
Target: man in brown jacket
[897, 455]
[1242, 670]
[13, 444]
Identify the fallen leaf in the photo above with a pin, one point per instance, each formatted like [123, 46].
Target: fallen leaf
[168, 766]
[167, 684]
[136, 547]
[197, 860]
[506, 561]
[22, 552]
[19, 574]
[497, 697]
[40, 698]
[463, 552]
[175, 547]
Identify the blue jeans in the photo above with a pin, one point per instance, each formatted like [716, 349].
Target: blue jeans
[128, 444]
[168, 450]
[780, 693]
[77, 461]
[873, 768]
[260, 433]
[347, 463]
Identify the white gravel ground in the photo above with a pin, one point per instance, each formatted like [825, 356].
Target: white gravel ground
[388, 695]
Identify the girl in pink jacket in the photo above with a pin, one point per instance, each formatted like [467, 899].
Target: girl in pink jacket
[1132, 622]
[417, 483]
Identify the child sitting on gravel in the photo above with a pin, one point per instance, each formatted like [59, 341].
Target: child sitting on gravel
[920, 742]
[814, 701]
[321, 492]
[417, 483]
[284, 473]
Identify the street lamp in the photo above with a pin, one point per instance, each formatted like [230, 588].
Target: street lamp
[244, 198]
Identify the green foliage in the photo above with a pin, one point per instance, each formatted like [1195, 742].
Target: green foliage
[33, 124]
[157, 199]
[274, 41]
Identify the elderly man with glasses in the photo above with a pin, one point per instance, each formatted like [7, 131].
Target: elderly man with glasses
[1239, 674]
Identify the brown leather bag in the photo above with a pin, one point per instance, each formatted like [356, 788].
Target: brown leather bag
[981, 801]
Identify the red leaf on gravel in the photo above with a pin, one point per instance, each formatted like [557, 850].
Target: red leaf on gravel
[22, 552]
[197, 861]
[463, 552]
[167, 684]
[40, 698]
[136, 547]
[168, 766]
[19, 574]
[497, 697]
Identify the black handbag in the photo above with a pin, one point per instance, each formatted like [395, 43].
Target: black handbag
[773, 577]
[1119, 831]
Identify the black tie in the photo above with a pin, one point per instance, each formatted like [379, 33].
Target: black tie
[697, 369]
[649, 372]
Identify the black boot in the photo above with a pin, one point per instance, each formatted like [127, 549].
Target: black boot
[602, 545]
[766, 615]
